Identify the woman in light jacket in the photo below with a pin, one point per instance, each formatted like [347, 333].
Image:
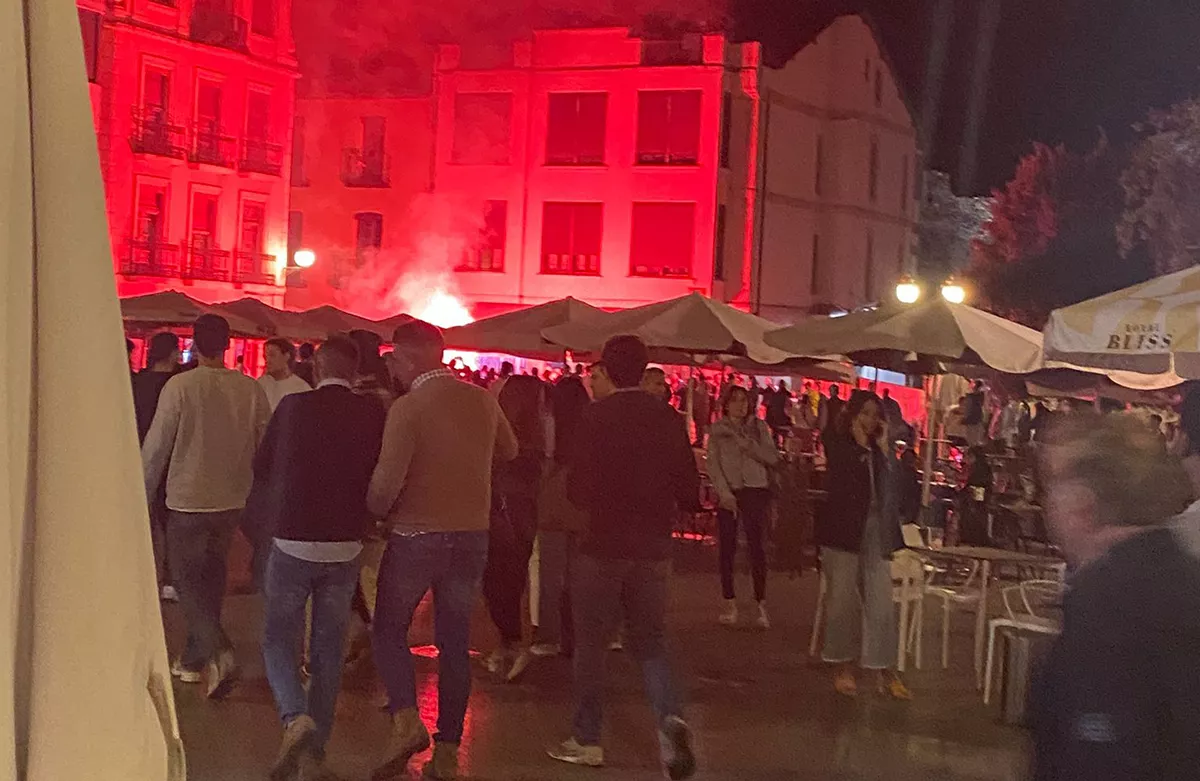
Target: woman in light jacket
[740, 454]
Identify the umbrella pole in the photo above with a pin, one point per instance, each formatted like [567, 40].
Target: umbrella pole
[691, 389]
[932, 392]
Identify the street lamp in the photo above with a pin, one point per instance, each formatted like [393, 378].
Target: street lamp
[953, 292]
[304, 258]
[907, 290]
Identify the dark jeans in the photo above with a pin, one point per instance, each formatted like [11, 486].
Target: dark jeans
[288, 585]
[510, 545]
[753, 505]
[557, 552]
[158, 539]
[198, 544]
[451, 564]
[602, 589]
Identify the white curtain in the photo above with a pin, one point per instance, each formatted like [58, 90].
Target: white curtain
[85, 691]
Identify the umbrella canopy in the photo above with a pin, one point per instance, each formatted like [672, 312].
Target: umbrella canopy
[171, 308]
[1150, 328]
[85, 690]
[325, 320]
[933, 330]
[693, 325]
[519, 333]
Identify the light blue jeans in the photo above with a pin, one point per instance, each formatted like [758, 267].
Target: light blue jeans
[858, 596]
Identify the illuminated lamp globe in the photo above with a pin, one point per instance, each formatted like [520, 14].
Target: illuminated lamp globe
[908, 291]
[304, 258]
[953, 292]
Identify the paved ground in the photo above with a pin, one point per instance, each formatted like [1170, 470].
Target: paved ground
[760, 708]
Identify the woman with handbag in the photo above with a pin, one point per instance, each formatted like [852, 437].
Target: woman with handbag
[741, 453]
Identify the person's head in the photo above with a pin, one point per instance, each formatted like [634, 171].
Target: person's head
[279, 354]
[625, 357]
[523, 402]
[579, 370]
[163, 354]
[862, 418]
[602, 384]
[737, 404]
[210, 336]
[306, 351]
[1105, 477]
[337, 359]
[417, 349]
[506, 369]
[977, 386]
[834, 390]
[887, 393]
[568, 399]
[654, 382]
[548, 376]
[783, 386]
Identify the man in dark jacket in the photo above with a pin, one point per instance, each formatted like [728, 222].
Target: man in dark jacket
[162, 363]
[310, 491]
[632, 473]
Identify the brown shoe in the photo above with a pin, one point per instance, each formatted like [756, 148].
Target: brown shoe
[444, 764]
[409, 737]
[297, 738]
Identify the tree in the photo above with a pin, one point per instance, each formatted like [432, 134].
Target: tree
[1162, 189]
[1051, 240]
[949, 225]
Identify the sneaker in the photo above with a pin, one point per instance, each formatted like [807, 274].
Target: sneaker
[729, 614]
[443, 765]
[675, 747]
[297, 738]
[168, 594]
[895, 689]
[184, 674]
[545, 649]
[763, 621]
[519, 665]
[844, 682]
[497, 663]
[408, 737]
[222, 675]
[617, 645]
[571, 752]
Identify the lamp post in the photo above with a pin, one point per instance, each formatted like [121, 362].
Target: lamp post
[304, 258]
[953, 292]
[907, 290]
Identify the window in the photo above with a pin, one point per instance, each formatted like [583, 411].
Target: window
[258, 115]
[819, 165]
[482, 129]
[368, 236]
[295, 238]
[904, 186]
[299, 178]
[575, 128]
[262, 17]
[719, 246]
[869, 270]
[150, 224]
[208, 147]
[663, 239]
[89, 25]
[252, 237]
[156, 93]
[668, 127]
[374, 134]
[487, 253]
[726, 127]
[571, 237]
[873, 171]
[815, 281]
[878, 88]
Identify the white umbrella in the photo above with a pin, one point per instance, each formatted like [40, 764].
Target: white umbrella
[519, 333]
[86, 690]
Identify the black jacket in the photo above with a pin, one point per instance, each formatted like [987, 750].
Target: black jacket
[632, 471]
[314, 465]
[1119, 698]
[840, 524]
[147, 387]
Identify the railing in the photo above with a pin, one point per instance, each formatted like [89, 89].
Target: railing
[206, 263]
[482, 259]
[364, 170]
[150, 258]
[153, 133]
[208, 145]
[254, 268]
[215, 24]
[261, 157]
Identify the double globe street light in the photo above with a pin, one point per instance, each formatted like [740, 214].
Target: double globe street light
[908, 291]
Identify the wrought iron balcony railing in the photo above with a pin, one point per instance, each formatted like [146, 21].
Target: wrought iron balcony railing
[364, 169]
[154, 133]
[149, 258]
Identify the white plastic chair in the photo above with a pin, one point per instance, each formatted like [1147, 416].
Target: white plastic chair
[965, 596]
[912, 535]
[1028, 615]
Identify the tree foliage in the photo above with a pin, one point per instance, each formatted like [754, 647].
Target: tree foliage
[1162, 189]
[948, 227]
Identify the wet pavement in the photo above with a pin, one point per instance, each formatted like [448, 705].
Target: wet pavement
[760, 708]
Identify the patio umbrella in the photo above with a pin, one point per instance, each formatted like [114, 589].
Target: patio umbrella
[172, 308]
[1150, 328]
[85, 690]
[519, 333]
[325, 320]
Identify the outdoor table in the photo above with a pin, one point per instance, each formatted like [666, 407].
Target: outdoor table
[986, 557]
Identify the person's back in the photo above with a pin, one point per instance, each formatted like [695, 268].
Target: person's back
[148, 386]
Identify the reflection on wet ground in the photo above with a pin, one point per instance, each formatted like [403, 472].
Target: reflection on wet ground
[760, 709]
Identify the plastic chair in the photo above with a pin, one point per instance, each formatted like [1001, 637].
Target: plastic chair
[965, 595]
[912, 535]
[1028, 615]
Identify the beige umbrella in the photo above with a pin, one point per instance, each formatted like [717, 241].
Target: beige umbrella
[519, 333]
[1150, 328]
[172, 308]
[325, 320]
[86, 690]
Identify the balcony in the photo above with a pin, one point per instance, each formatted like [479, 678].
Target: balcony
[208, 146]
[254, 268]
[364, 170]
[215, 24]
[153, 133]
[261, 157]
[204, 262]
[149, 258]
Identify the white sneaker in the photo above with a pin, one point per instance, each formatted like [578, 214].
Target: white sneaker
[617, 645]
[763, 621]
[545, 649]
[520, 663]
[184, 674]
[168, 594]
[572, 753]
[497, 661]
[729, 614]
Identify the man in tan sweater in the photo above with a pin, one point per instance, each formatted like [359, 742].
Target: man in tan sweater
[434, 485]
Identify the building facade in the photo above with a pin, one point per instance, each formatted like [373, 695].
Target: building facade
[193, 103]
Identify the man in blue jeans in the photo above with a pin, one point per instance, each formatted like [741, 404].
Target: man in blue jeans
[434, 485]
[310, 500]
[632, 473]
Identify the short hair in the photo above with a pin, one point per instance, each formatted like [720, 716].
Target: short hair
[337, 357]
[306, 351]
[210, 335]
[420, 337]
[625, 358]
[283, 346]
[834, 389]
[654, 371]
[734, 392]
[163, 345]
